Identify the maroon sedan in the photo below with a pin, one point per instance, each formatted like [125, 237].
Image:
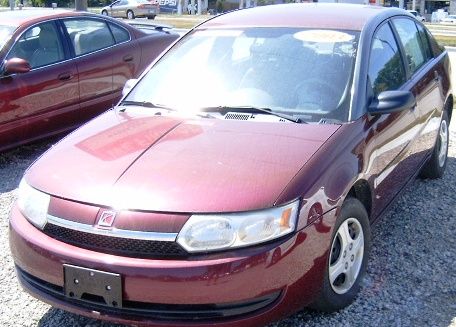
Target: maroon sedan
[238, 180]
[61, 68]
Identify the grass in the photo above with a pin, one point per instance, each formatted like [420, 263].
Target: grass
[446, 40]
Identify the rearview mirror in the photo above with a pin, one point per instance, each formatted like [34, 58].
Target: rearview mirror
[392, 101]
[16, 66]
[128, 86]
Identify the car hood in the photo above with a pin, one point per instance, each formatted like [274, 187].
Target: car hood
[176, 164]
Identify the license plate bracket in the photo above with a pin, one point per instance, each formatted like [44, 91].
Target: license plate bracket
[80, 281]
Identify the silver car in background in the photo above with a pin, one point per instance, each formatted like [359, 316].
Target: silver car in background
[131, 9]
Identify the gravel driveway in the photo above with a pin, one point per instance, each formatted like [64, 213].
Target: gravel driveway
[411, 278]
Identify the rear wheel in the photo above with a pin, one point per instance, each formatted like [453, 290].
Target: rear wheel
[151, 17]
[130, 14]
[347, 260]
[435, 167]
[104, 12]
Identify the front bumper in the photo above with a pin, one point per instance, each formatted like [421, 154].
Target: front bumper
[249, 287]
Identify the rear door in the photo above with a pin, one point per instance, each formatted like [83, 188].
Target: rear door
[105, 60]
[126, 58]
[119, 9]
[44, 100]
[424, 84]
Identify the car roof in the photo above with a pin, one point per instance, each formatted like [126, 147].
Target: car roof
[20, 17]
[308, 15]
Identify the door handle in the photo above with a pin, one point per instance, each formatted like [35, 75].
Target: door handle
[128, 58]
[436, 76]
[65, 76]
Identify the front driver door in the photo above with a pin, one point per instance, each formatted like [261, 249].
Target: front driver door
[44, 100]
[393, 133]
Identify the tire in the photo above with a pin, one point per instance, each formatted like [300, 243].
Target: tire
[348, 254]
[104, 13]
[130, 14]
[435, 166]
[151, 17]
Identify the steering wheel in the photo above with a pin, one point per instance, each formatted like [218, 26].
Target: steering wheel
[315, 94]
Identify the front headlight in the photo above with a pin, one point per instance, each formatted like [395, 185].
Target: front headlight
[33, 204]
[203, 233]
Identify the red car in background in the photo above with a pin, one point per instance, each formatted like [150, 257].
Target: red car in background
[61, 68]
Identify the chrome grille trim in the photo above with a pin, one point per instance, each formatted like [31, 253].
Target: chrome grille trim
[114, 232]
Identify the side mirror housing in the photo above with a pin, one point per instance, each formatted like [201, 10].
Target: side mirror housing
[392, 101]
[16, 66]
[128, 86]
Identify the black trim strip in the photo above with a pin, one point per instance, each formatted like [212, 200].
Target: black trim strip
[183, 312]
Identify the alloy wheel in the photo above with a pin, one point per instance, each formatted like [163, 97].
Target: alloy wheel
[443, 142]
[346, 257]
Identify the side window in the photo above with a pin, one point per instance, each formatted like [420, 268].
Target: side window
[88, 35]
[424, 42]
[120, 33]
[40, 46]
[386, 71]
[410, 39]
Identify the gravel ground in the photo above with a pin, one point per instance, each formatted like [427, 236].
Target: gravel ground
[411, 278]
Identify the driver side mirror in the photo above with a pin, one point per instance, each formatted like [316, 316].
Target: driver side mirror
[16, 66]
[392, 101]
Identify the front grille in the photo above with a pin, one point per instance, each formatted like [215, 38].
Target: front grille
[116, 245]
[140, 310]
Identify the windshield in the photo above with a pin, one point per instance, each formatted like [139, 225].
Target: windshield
[303, 73]
[5, 34]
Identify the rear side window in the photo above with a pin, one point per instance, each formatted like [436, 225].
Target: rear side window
[386, 71]
[120, 33]
[88, 35]
[411, 41]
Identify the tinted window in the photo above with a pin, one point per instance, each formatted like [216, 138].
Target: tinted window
[40, 46]
[386, 71]
[120, 34]
[88, 35]
[410, 39]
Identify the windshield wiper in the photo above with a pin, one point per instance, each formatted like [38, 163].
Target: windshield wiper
[253, 109]
[146, 104]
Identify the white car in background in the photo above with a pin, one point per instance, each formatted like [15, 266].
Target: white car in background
[451, 19]
[417, 15]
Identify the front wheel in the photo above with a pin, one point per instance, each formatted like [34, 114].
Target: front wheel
[104, 13]
[151, 17]
[435, 167]
[130, 14]
[347, 259]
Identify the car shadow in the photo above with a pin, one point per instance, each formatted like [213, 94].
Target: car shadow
[13, 163]
[59, 318]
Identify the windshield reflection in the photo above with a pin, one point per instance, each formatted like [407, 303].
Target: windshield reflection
[5, 34]
[299, 72]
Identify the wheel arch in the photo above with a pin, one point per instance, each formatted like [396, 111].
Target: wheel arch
[361, 190]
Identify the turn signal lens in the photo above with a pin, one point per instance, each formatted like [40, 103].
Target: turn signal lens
[33, 204]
